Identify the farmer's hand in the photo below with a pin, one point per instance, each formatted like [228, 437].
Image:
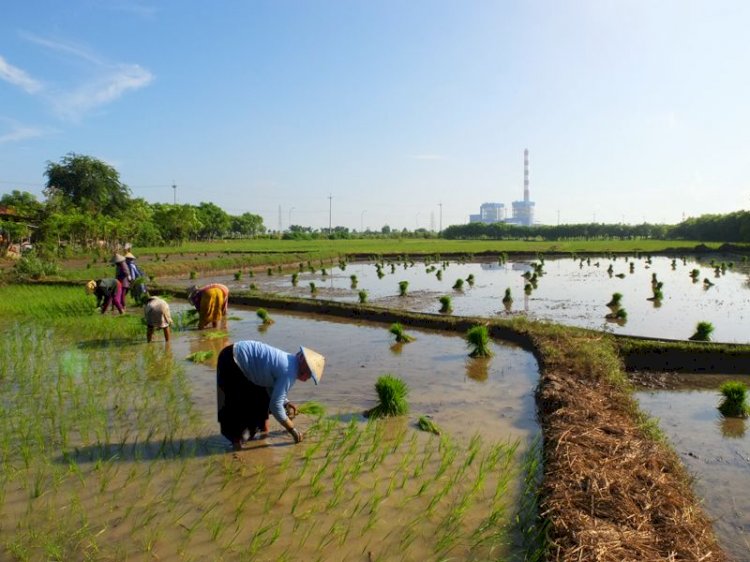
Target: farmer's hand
[296, 435]
[291, 409]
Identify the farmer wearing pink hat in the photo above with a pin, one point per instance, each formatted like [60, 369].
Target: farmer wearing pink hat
[253, 378]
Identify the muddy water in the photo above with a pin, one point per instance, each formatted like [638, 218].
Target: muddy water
[716, 450]
[463, 395]
[570, 291]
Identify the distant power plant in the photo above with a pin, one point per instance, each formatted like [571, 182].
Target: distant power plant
[523, 211]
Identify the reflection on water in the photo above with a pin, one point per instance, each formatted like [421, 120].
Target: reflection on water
[569, 291]
[716, 450]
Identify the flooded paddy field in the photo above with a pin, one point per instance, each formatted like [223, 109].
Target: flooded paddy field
[110, 446]
[715, 449]
[571, 291]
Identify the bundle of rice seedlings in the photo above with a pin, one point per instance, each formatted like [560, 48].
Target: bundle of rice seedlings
[703, 332]
[445, 304]
[398, 330]
[362, 296]
[237, 275]
[313, 288]
[458, 285]
[354, 281]
[470, 279]
[295, 278]
[478, 338]
[616, 299]
[263, 315]
[508, 298]
[402, 288]
[426, 424]
[200, 356]
[392, 393]
[734, 402]
[311, 409]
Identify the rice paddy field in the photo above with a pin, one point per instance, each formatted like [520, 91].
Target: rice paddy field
[573, 291]
[110, 447]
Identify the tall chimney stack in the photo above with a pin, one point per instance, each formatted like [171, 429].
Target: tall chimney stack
[526, 175]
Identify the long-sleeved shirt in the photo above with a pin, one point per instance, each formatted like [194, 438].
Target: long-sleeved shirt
[269, 367]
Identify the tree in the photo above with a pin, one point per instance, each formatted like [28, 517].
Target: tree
[24, 204]
[214, 221]
[87, 184]
[247, 224]
[176, 223]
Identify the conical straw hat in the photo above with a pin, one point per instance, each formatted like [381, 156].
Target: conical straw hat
[315, 361]
[117, 258]
[91, 286]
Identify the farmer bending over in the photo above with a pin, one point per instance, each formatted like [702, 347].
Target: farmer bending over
[107, 291]
[156, 312]
[253, 378]
[211, 302]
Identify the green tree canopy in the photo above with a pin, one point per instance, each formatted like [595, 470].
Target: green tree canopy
[87, 184]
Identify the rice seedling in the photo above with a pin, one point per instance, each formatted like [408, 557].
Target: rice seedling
[734, 399]
[403, 286]
[470, 280]
[313, 288]
[392, 393]
[354, 281]
[445, 304]
[398, 330]
[193, 275]
[237, 275]
[508, 297]
[478, 339]
[695, 274]
[200, 356]
[362, 296]
[528, 288]
[262, 313]
[439, 274]
[425, 423]
[295, 278]
[458, 285]
[269, 271]
[312, 409]
[707, 283]
[703, 332]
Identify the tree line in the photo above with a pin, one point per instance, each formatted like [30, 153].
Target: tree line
[86, 205]
[732, 227]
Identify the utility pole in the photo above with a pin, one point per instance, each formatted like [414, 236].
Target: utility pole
[441, 217]
[174, 189]
[330, 204]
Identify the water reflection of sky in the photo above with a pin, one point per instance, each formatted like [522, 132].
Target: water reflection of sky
[571, 292]
[716, 450]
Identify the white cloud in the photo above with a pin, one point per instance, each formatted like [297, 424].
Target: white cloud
[108, 86]
[105, 83]
[18, 77]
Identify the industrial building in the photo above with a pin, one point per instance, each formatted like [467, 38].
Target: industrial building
[523, 211]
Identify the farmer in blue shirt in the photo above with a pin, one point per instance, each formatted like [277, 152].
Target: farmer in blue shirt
[253, 378]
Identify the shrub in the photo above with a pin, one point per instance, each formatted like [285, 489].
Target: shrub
[392, 393]
[478, 338]
[32, 267]
[734, 401]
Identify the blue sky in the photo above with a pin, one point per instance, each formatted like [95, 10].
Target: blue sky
[631, 110]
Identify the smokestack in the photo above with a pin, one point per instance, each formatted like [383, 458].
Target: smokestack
[526, 175]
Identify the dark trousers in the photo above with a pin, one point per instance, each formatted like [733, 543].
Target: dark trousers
[241, 404]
